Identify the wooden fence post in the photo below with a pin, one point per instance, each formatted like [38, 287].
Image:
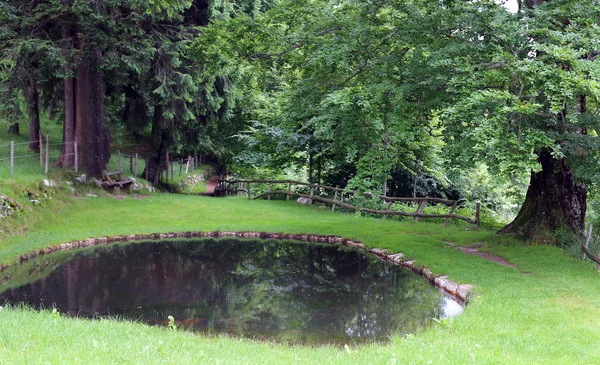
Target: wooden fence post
[12, 157]
[588, 236]
[76, 157]
[478, 215]
[136, 165]
[451, 211]
[387, 210]
[41, 149]
[249, 195]
[312, 193]
[47, 154]
[420, 209]
[187, 166]
[289, 191]
[334, 198]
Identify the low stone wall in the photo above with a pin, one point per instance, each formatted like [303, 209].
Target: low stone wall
[458, 291]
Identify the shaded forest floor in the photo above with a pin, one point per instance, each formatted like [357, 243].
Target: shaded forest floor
[550, 315]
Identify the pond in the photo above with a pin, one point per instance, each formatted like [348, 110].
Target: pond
[261, 289]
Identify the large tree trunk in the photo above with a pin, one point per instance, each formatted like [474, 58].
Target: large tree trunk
[554, 201]
[97, 133]
[33, 109]
[67, 155]
[158, 154]
[82, 122]
[84, 118]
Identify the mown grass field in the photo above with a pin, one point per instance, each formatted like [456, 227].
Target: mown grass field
[547, 312]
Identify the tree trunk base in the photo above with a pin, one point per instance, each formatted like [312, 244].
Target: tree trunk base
[554, 202]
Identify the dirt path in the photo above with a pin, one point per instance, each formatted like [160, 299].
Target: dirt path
[473, 250]
[211, 184]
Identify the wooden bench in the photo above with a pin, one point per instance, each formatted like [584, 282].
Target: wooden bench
[114, 180]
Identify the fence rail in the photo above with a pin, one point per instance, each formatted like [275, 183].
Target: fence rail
[243, 187]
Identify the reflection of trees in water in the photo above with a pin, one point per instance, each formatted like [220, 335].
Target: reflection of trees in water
[299, 292]
[312, 291]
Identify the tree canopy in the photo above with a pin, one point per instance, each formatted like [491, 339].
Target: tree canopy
[373, 95]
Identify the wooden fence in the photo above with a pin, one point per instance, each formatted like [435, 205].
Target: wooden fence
[243, 188]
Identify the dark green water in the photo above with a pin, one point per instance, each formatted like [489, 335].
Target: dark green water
[283, 291]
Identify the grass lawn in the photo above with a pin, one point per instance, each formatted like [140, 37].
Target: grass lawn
[547, 312]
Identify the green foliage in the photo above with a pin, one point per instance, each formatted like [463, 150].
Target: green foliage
[164, 8]
[499, 196]
[172, 324]
[531, 92]
[6, 11]
[385, 86]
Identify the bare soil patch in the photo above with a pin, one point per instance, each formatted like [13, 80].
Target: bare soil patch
[474, 250]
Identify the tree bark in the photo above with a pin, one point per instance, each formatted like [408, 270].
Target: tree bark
[82, 123]
[554, 201]
[33, 109]
[158, 155]
[84, 117]
[98, 135]
[67, 154]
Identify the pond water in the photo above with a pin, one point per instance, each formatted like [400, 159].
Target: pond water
[282, 291]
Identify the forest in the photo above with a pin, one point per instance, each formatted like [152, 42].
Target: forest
[455, 99]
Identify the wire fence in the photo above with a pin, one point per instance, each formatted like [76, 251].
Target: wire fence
[20, 158]
[18, 155]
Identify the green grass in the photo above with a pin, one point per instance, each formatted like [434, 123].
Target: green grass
[550, 315]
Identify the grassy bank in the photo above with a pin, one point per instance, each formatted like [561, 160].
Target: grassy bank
[547, 311]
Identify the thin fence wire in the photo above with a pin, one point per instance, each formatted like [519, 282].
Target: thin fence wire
[37, 153]
[20, 156]
[29, 155]
[23, 143]
[60, 144]
[20, 143]
[5, 161]
[67, 154]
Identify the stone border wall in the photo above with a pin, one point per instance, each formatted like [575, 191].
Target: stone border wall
[459, 292]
